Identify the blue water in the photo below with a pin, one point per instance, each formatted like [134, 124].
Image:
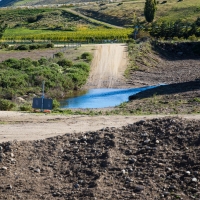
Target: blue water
[101, 98]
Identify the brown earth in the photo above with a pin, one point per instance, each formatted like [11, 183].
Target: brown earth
[149, 159]
[165, 63]
[108, 66]
[108, 157]
[33, 54]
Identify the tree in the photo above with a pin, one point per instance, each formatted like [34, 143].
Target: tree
[149, 10]
[2, 28]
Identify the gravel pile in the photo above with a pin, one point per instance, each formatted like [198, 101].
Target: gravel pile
[150, 159]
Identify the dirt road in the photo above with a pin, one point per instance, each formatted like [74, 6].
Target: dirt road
[108, 66]
[30, 126]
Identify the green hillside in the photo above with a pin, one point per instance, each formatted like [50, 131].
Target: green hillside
[5, 3]
[125, 13]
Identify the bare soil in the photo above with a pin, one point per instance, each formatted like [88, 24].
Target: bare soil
[107, 157]
[165, 63]
[149, 159]
[108, 66]
[33, 54]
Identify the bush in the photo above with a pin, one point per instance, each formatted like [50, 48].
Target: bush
[22, 47]
[58, 55]
[50, 45]
[89, 58]
[192, 38]
[25, 107]
[56, 104]
[84, 66]
[33, 46]
[65, 62]
[6, 105]
[85, 55]
[4, 45]
[43, 61]
[31, 19]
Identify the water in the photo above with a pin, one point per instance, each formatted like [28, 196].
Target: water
[101, 98]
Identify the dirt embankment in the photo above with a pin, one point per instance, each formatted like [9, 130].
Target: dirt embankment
[150, 159]
[163, 63]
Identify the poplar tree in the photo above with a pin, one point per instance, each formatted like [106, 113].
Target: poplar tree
[149, 10]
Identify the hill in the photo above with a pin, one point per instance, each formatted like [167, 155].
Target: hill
[128, 12]
[5, 3]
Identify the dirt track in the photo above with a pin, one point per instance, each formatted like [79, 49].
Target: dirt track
[29, 126]
[108, 66]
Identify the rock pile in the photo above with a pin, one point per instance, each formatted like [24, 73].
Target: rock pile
[150, 159]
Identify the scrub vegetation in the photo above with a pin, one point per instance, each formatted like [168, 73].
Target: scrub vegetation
[24, 77]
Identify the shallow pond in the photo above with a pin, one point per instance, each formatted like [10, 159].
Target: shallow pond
[101, 98]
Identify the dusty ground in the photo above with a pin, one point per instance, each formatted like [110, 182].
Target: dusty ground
[108, 66]
[30, 126]
[106, 157]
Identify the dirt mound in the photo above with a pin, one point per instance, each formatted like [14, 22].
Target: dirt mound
[150, 159]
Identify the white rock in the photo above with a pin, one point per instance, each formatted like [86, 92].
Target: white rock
[4, 168]
[37, 170]
[147, 141]
[123, 171]
[188, 172]
[194, 180]
[12, 155]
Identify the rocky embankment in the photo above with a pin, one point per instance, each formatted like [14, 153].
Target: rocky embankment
[149, 159]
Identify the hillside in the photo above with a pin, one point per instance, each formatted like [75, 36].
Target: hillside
[128, 12]
[5, 3]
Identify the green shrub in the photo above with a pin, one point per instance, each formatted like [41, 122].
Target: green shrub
[31, 19]
[84, 66]
[89, 58]
[59, 55]
[33, 46]
[65, 62]
[25, 107]
[85, 55]
[4, 45]
[56, 104]
[50, 45]
[22, 47]
[6, 104]
[43, 61]
[192, 38]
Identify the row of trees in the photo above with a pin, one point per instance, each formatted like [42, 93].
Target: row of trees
[178, 29]
[3, 27]
[166, 29]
